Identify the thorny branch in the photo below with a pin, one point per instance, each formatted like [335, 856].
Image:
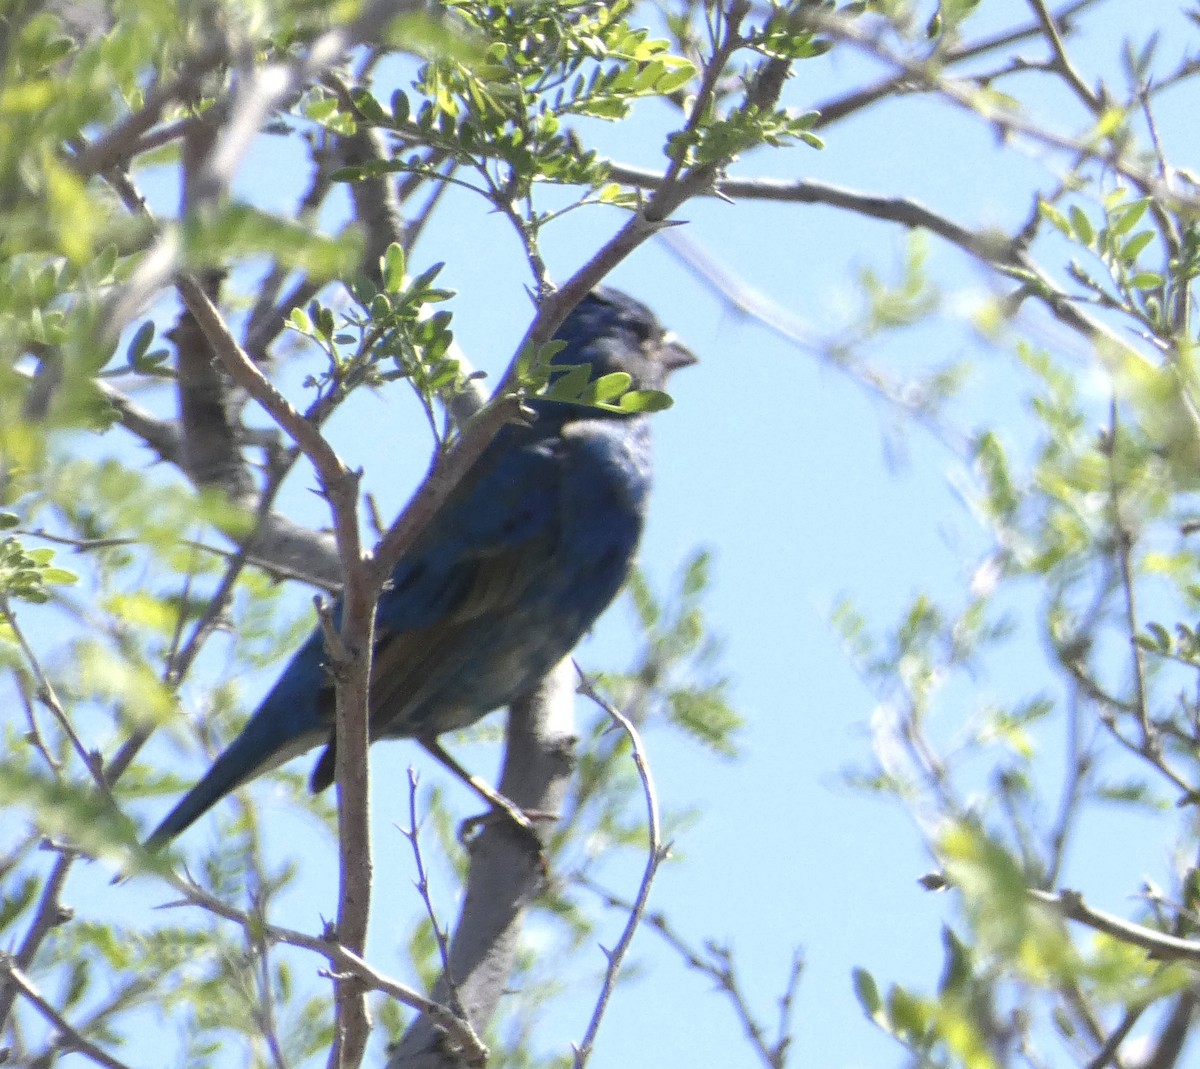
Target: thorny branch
[412, 834]
[346, 963]
[69, 1038]
[717, 963]
[657, 853]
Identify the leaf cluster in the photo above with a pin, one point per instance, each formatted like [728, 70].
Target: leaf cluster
[26, 573]
[499, 110]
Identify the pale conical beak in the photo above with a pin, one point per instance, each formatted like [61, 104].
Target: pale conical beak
[673, 354]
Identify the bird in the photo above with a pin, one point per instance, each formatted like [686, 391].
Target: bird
[508, 575]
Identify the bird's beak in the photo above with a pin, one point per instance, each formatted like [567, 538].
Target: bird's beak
[673, 354]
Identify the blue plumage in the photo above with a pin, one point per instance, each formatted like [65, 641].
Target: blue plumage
[515, 567]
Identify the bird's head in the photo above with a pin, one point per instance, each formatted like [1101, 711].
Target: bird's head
[614, 333]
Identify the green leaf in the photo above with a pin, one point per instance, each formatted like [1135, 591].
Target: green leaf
[705, 715]
[1047, 211]
[140, 343]
[1126, 217]
[401, 109]
[241, 230]
[320, 108]
[908, 1014]
[696, 574]
[1111, 121]
[570, 386]
[675, 79]
[957, 971]
[645, 401]
[298, 320]
[1082, 226]
[867, 992]
[1132, 792]
[612, 193]
[393, 268]
[423, 281]
[369, 107]
[607, 387]
[13, 903]
[1135, 245]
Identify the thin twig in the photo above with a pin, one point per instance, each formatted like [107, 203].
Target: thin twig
[345, 961]
[70, 1039]
[439, 933]
[716, 963]
[839, 108]
[1123, 537]
[966, 95]
[1159, 945]
[49, 698]
[34, 734]
[656, 854]
[747, 300]
[48, 915]
[1093, 100]
[994, 249]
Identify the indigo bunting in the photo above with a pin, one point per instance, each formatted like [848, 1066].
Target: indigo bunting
[506, 578]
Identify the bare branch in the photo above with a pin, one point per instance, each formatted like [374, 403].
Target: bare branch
[48, 914]
[132, 134]
[995, 250]
[360, 590]
[345, 961]
[966, 94]
[49, 698]
[506, 876]
[1093, 100]
[833, 111]
[656, 854]
[717, 964]
[1159, 945]
[69, 1039]
[412, 834]
[1173, 1036]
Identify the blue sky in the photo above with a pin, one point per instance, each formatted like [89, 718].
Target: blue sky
[798, 481]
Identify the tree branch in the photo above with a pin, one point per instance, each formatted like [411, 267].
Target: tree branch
[994, 250]
[352, 662]
[656, 855]
[505, 875]
[69, 1038]
[1094, 101]
[1159, 945]
[344, 960]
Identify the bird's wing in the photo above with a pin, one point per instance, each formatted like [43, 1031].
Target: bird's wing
[476, 561]
[473, 564]
[505, 508]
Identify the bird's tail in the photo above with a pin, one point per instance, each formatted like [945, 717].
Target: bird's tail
[268, 740]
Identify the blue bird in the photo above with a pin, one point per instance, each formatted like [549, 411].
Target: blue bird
[507, 577]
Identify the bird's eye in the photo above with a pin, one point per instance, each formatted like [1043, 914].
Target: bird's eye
[648, 334]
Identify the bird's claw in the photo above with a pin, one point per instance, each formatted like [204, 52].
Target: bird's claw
[505, 812]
